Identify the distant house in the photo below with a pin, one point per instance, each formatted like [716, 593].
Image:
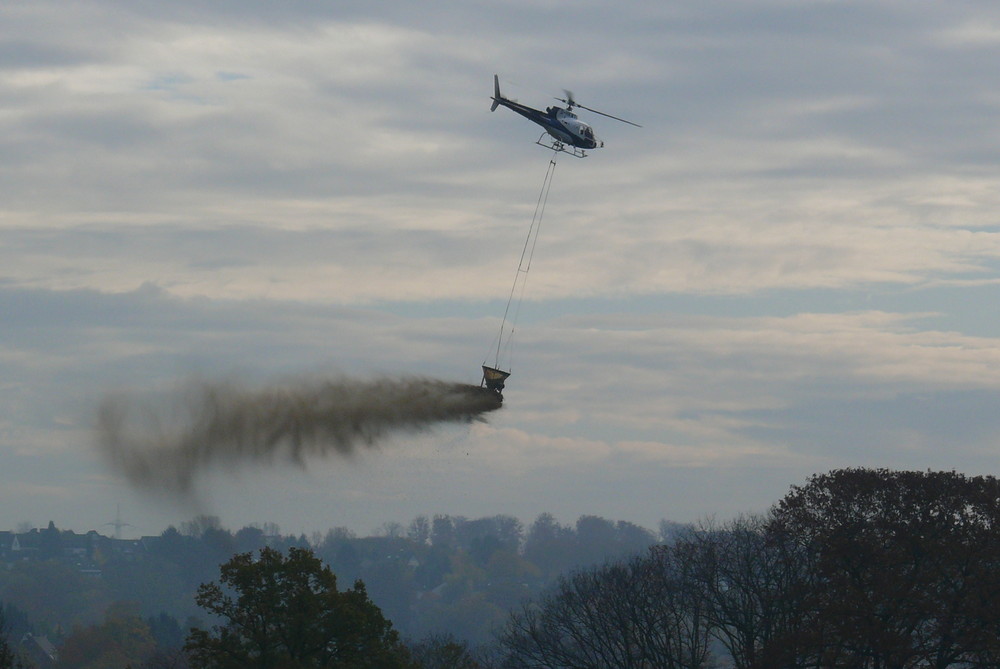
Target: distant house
[125, 550]
[128, 549]
[77, 547]
[25, 546]
[40, 650]
[432, 595]
[149, 543]
[86, 552]
[7, 540]
[48, 544]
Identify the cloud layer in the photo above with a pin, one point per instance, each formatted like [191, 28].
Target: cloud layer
[783, 271]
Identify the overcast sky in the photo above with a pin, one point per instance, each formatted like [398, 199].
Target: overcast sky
[791, 267]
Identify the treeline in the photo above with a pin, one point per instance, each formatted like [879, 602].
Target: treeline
[434, 575]
[861, 569]
[858, 568]
[453, 574]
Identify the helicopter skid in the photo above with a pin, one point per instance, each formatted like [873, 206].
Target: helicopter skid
[556, 145]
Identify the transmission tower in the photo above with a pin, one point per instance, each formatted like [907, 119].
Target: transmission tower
[118, 523]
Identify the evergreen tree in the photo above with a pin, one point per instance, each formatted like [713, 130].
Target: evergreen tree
[6, 652]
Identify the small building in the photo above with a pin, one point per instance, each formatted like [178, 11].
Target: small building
[39, 650]
[7, 540]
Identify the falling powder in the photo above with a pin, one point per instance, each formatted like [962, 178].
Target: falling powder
[163, 445]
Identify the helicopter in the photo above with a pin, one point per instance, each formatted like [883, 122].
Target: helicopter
[561, 123]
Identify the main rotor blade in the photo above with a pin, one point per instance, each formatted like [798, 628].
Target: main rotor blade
[608, 115]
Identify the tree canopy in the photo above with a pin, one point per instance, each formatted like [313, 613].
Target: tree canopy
[907, 566]
[6, 653]
[280, 611]
[858, 568]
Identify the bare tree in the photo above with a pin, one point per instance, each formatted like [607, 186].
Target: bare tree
[645, 612]
[443, 651]
[754, 584]
[420, 530]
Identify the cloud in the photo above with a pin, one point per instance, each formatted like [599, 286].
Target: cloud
[622, 393]
[330, 119]
[787, 261]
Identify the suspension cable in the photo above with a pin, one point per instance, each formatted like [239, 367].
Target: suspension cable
[524, 265]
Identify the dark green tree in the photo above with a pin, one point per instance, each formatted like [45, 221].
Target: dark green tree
[166, 631]
[908, 564]
[6, 652]
[280, 612]
[550, 546]
[122, 640]
[249, 539]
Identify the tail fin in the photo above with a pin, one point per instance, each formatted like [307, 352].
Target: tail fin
[496, 93]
